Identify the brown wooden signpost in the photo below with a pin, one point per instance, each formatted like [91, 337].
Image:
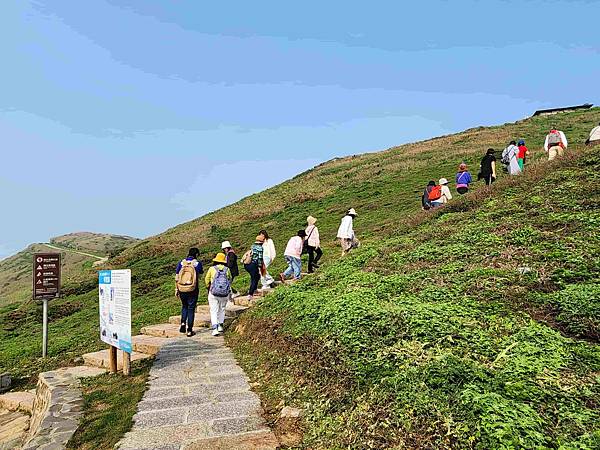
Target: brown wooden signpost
[46, 286]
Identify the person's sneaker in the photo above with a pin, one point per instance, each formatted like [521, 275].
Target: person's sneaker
[250, 296]
[182, 328]
[215, 332]
[191, 333]
[220, 328]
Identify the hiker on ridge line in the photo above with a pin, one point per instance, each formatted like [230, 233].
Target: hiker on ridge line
[269, 254]
[293, 256]
[555, 143]
[253, 261]
[313, 244]
[487, 171]
[510, 158]
[463, 179]
[594, 138]
[218, 283]
[346, 234]
[186, 288]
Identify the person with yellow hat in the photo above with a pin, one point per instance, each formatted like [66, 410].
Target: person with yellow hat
[313, 244]
[253, 262]
[218, 283]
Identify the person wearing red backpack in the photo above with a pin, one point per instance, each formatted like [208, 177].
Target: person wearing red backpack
[186, 288]
[555, 143]
[431, 193]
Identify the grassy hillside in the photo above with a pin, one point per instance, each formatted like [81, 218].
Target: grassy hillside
[476, 328]
[427, 336]
[16, 270]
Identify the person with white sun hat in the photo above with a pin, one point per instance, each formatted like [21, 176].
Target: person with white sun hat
[346, 232]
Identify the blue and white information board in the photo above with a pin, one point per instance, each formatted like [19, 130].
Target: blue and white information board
[115, 308]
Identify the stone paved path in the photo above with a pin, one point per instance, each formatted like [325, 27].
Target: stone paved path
[198, 398]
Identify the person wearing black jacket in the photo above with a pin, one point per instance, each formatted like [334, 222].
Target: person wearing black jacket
[231, 259]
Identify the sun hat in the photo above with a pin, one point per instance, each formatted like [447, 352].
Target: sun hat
[443, 181]
[260, 239]
[311, 220]
[225, 244]
[220, 258]
[352, 212]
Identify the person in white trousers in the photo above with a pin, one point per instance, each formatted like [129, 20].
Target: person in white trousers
[269, 254]
[218, 284]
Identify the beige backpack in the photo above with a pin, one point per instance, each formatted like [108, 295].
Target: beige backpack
[187, 278]
[247, 258]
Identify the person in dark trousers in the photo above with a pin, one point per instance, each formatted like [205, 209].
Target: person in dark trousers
[255, 264]
[487, 172]
[426, 203]
[313, 244]
[231, 259]
[186, 288]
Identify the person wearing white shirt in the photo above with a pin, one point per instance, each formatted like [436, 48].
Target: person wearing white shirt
[555, 143]
[269, 254]
[313, 243]
[594, 138]
[446, 194]
[346, 232]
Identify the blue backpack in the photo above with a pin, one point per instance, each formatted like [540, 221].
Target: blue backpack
[221, 286]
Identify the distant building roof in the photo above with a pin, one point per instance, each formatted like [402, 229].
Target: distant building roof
[543, 112]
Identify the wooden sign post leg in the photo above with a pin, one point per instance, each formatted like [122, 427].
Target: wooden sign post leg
[126, 364]
[112, 359]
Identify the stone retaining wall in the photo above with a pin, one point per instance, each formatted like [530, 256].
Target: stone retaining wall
[57, 408]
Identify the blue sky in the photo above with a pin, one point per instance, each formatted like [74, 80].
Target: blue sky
[146, 114]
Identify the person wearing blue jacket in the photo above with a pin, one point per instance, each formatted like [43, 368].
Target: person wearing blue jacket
[463, 179]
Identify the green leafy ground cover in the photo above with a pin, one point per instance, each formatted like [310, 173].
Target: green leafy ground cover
[110, 401]
[438, 338]
[375, 323]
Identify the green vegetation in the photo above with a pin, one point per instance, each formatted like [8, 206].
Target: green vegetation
[450, 343]
[471, 327]
[110, 403]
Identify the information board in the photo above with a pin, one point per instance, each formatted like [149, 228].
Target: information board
[46, 276]
[115, 308]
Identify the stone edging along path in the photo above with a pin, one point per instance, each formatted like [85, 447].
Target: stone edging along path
[57, 407]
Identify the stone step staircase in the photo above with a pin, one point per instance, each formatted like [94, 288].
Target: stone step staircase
[16, 407]
[153, 337]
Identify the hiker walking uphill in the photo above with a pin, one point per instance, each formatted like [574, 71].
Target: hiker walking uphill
[346, 234]
[594, 138]
[510, 158]
[445, 194]
[293, 256]
[253, 261]
[430, 193]
[487, 171]
[218, 283]
[231, 259]
[186, 282]
[312, 244]
[555, 143]
[523, 153]
[463, 179]
[269, 254]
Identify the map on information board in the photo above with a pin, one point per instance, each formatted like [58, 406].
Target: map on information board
[115, 308]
